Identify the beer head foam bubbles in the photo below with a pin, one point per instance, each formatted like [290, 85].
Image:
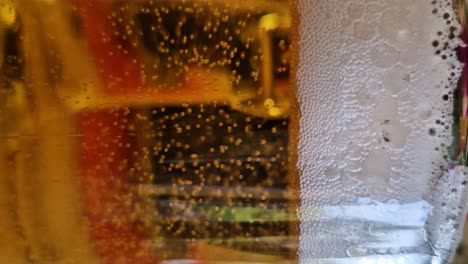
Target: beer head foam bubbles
[375, 84]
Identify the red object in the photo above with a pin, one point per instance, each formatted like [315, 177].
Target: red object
[105, 148]
[117, 65]
[105, 162]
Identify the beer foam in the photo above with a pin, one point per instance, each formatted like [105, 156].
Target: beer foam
[375, 83]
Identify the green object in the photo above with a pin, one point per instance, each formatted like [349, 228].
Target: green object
[244, 214]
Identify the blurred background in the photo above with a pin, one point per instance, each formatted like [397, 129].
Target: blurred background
[158, 130]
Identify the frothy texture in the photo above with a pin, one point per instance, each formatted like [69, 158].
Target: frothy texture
[375, 83]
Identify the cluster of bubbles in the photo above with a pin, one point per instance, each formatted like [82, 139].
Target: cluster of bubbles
[172, 116]
[379, 77]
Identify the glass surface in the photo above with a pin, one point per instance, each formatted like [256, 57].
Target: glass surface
[212, 131]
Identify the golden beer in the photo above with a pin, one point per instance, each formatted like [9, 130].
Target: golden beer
[230, 131]
[146, 132]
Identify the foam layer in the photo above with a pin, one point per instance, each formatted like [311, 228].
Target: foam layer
[375, 87]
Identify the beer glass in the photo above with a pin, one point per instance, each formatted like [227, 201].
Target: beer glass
[228, 131]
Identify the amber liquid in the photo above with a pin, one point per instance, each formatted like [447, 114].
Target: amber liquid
[146, 132]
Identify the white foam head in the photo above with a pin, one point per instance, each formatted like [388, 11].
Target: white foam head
[375, 82]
